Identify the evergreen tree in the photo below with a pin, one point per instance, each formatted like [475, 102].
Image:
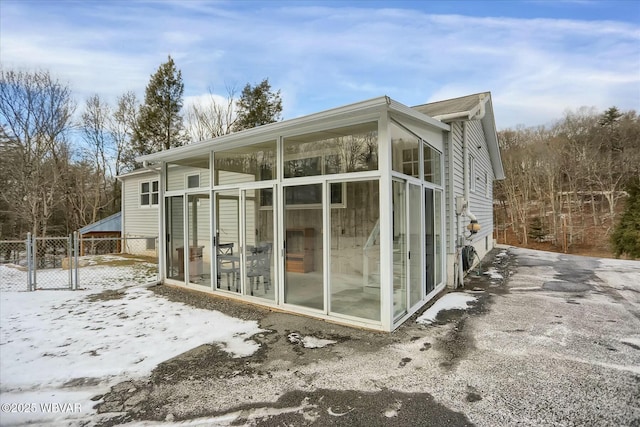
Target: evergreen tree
[159, 125]
[626, 237]
[257, 106]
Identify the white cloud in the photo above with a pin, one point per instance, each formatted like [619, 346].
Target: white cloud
[323, 57]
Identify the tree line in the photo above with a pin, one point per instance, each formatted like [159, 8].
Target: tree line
[567, 184]
[59, 162]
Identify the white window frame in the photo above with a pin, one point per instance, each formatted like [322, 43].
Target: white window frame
[149, 193]
[186, 181]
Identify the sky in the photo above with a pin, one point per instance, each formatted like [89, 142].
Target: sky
[539, 59]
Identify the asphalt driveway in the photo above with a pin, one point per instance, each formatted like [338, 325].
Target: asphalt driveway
[551, 340]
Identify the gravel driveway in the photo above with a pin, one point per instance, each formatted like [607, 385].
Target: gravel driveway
[555, 341]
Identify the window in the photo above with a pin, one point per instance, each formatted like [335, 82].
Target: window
[405, 153]
[151, 243]
[149, 193]
[193, 181]
[342, 150]
[306, 196]
[432, 168]
[410, 165]
[251, 163]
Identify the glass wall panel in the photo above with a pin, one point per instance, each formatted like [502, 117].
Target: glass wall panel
[227, 206]
[415, 244]
[399, 249]
[259, 244]
[245, 164]
[355, 251]
[429, 239]
[437, 226]
[199, 220]
[303, 250]
[188, 173]
[348, 149]
[175, 237]
[405, 155]
[432, 169]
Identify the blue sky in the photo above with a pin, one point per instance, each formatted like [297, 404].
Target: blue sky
[538, 58]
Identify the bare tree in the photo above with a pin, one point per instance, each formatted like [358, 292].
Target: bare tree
[212, 117]
[35, 115]
[91, 201]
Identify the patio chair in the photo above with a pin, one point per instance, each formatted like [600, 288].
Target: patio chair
[259, 266]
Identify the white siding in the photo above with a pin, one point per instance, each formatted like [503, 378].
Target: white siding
[137, 220]
[480, 200]
[479, 203]
[177, 177]
[455, 167]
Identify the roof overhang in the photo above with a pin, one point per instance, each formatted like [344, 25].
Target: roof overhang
[365, 109]
[472, 107]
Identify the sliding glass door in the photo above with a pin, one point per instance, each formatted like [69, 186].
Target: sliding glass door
[175, 238]
[259, 243]
[199, 237]
[303, 234]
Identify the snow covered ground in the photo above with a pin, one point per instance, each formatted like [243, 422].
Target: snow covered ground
[558, 346]
[64, 347]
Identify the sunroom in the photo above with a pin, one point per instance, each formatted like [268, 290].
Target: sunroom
[336, 215]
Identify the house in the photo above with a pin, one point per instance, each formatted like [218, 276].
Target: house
[356, 214]
[106, 233]
[139, 214]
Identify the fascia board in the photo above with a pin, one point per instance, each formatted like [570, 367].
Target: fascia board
[489, 124]
[410, 112]
[135, 173]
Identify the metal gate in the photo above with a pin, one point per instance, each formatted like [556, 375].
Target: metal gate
[71, 263]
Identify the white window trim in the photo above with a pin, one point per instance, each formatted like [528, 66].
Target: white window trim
[186, 180]
[151, 193]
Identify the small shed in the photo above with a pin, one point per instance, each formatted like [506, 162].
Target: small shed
[102, 237]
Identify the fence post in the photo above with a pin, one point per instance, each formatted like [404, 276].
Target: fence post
[76, 251]
[29, 261]
[70, 259]
[34, 260]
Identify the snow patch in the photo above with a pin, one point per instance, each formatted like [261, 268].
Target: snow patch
[451, 301]
[51, 340]
[493, 273]
[309, 341]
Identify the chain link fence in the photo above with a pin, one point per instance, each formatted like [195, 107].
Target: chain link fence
[72, 262]
[13, 265]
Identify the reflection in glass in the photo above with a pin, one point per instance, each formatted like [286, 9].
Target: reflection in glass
[303, 251]
[437, 207]
[258, 245]
[245, 164]
[405, 157]
[355, 251]
[415, 242]
[228, 240]
[399, 249]
[175, 238]
[198, 218]
[179, 171]
[349, 149]
[429, 240]
[432, 170]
